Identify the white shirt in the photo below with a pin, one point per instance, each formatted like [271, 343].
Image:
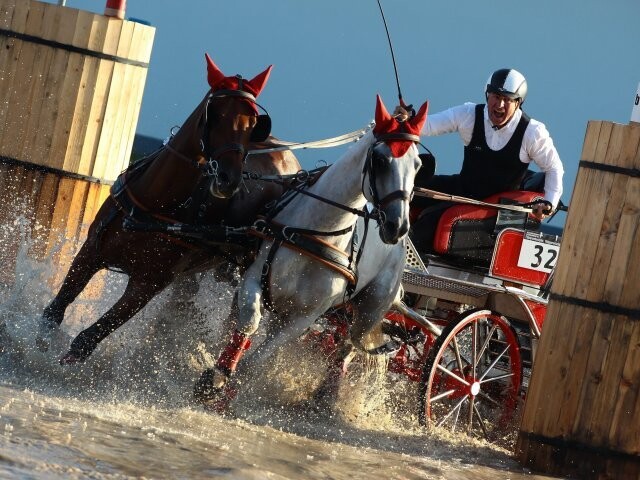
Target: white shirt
[537, 145]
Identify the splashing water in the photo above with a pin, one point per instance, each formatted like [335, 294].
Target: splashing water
[128, 410]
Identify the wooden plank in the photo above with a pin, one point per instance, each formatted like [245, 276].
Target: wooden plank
[115, 101]
[6, 13]
[591, 383]
[594, 288]
[551, 351]
[62, 205]
[569, 253]
[629, 223]
[30, 150]
[606, 395]
[99, 105]
[599, 196]
[82, 110]
[7, 46]
[627, 409]
[69, 91]
[90, 209]
[132, 77]
[53, 94]
[630, 293]
[9, 61]
[70, 230]
[580, 326]
[20, 92]
[43, 214]
[87, 126]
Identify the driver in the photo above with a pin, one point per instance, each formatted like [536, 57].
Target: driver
[500, 140]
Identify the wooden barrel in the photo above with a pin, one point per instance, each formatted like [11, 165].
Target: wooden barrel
[582, 412]
[70, 95]
[50, 209]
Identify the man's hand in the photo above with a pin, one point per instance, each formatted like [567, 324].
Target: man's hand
[542, 209]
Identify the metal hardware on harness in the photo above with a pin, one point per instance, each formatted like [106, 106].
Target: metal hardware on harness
[212, 168]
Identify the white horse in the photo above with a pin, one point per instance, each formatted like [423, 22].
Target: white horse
[307, 263]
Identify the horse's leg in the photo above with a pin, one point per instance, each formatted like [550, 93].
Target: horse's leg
[83, 268]
[136, 295]
[370, 306]
[210, 386]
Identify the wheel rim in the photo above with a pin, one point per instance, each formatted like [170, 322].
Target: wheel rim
[473, 375]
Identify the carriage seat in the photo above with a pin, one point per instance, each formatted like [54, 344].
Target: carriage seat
[467, 233]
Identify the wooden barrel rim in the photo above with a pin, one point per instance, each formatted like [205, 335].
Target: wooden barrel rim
[631, 172]
[71, 48]
[632, 313]
[45, 169]
[583, 448]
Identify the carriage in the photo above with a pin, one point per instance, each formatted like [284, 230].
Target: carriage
[472, 312]
[466, 328]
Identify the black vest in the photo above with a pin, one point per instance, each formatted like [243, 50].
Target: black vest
[486, 172]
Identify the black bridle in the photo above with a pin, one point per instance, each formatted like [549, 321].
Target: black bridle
[210, 166]
[370, 171]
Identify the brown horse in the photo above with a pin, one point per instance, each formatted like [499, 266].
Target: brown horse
[193, 180]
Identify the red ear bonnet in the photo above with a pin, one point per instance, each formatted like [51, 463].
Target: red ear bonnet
[385, 123]
[218, 81]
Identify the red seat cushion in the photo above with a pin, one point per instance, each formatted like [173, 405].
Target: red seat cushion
[458, 214]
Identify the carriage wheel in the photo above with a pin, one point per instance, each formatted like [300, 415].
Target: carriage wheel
[472, 377]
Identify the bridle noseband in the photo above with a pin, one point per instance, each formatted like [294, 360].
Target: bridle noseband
[370, 171]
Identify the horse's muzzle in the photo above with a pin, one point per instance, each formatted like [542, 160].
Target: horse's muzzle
[222, 186]
[392, 232]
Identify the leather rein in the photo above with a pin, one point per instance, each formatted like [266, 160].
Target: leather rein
[208, 167]
[306, 241]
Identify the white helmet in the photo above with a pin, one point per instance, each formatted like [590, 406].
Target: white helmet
[508, 82]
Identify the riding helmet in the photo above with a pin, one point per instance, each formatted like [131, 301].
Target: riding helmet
[508, 82]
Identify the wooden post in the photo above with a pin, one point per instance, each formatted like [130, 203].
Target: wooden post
[70, 95]
[582, 412]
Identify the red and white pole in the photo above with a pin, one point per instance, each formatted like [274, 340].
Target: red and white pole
[115, 8]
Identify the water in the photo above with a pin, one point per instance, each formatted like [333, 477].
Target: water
[128, 413]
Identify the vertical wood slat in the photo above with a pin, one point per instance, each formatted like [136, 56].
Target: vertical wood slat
[57, 209]
[582, 409]
[52, 101]
[64, 109]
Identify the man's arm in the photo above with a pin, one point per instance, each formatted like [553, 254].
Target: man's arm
[542, 151]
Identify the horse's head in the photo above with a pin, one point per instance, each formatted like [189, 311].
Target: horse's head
[390, 170]
[230, 122]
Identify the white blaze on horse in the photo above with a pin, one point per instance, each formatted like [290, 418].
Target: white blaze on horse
[307, 262]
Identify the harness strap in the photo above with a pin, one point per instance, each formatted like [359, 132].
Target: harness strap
[182, 156]
[301, 241]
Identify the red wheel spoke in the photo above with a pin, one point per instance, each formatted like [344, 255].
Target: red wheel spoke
[472, 375]
[453, 375]
[490, 334]
[456, 409]
[488, 398]
[442, 395]
[481, 422]
[493, 364]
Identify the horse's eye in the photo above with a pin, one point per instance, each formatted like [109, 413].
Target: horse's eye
[381, 160]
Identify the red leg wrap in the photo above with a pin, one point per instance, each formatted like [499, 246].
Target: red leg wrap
[233, 352]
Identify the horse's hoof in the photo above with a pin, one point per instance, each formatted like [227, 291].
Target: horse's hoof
[221, 404]
[213, 392]
[70, 359]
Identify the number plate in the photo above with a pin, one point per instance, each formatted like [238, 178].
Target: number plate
[538, 253]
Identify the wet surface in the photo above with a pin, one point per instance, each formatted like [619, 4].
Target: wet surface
[128, 411]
